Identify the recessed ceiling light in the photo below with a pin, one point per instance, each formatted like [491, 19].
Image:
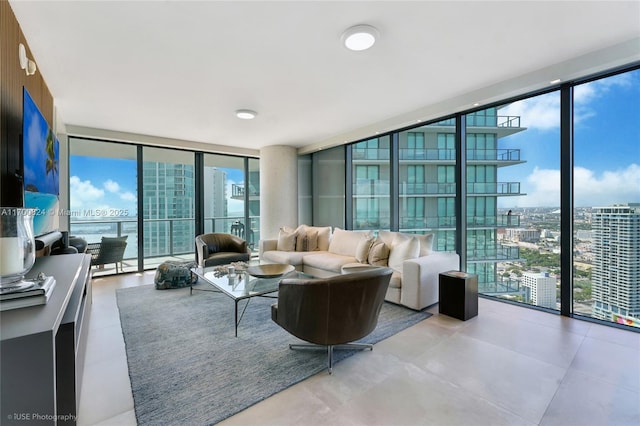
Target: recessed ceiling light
[476, 104]
[246, 114]
[359, 37]
[556, 81]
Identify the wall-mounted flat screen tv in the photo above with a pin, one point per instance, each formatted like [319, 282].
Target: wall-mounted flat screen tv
[41, 155]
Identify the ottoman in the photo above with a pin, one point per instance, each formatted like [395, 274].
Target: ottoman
[174, 274]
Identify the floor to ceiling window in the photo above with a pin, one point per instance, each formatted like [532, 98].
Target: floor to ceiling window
[328, 177]
[513, 200]
[168, 203]
[224, 195]
[103, 196]
[371, 184]
[253, 209]
[606, 217]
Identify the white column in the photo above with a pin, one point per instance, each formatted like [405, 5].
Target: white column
[278, 189]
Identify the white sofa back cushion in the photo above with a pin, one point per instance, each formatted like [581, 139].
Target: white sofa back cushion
[403, 248]
[425, 240]
[346, 242]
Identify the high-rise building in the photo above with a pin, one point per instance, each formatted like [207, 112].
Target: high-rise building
[539, 289]
[426, 189]
[215, 206]
[168, 208]
[616, 265]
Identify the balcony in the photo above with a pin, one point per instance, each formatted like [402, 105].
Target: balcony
[427, 223]
[370, 154]
[165, 239]
[238, 191]
[497, 156]
[500, 221]
[493, 188]
[500, 253]
[449, 188]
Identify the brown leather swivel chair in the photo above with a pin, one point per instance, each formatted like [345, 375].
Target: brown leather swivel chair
[219, 249]
[331, 312]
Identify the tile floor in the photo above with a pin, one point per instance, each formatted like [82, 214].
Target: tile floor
[509, 365]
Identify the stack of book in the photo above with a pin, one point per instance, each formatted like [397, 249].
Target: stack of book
[38, 294]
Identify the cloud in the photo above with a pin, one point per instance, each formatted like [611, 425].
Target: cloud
[128, 196]
[83, 192]
[540, 112]
[543, 112]
[111, 186]
[542, 187]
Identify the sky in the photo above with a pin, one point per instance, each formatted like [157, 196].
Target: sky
[606, 145]
[606, 169]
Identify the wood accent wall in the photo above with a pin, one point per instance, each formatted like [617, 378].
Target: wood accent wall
[12, 79]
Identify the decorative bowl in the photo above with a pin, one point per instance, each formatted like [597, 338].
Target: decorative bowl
[271, 270]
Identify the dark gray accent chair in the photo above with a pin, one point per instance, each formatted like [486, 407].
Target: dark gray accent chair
[108, 250]
[220, 249]
[332, 312]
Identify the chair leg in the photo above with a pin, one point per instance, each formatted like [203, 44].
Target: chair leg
[330, 348]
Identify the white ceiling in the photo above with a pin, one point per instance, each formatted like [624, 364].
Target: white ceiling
[179, 69]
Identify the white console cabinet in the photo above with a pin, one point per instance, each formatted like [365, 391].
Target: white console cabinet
[43, 347]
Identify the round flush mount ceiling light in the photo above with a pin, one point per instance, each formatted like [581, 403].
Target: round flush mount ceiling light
[360, 37]
[246, 114]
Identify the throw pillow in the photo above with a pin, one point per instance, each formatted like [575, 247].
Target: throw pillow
[346, 242]
[307, 240]
[378, 253]
[286, 240]
[362, 251]
[404, 249]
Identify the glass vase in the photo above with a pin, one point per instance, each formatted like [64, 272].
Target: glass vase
[17, 245]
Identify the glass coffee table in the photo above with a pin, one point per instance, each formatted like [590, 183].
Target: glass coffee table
[242, 286]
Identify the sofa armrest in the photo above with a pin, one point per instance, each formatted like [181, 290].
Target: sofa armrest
[267, 245]
[420, 278]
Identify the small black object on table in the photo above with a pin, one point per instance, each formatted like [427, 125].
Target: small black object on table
[458, 294]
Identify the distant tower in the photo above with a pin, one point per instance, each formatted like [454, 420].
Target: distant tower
[616, 266]
[215, 203]
[540, 289]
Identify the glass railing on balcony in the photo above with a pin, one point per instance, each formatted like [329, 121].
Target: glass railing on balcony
[501, 286]
[493, 155]
[369, 187]
[499, 253]
[163, 237]
[426, 189]
[498, 188]
[485, 121]
[370, 154]
[500, 221]
[408, 224]
[424, 154]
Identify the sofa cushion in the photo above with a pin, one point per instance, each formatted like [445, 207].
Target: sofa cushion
[396, 280]
[403, 248]
[346, 242]
[362, 250]
[286, 240]
[425, 240]
[378, 253]
[328, 261]
[289, 257]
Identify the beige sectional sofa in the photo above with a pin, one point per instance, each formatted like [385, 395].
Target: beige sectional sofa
[321, 253]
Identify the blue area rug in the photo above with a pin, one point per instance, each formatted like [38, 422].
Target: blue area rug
[186, 366]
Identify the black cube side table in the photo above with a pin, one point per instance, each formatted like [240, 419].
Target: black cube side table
[458, 294]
